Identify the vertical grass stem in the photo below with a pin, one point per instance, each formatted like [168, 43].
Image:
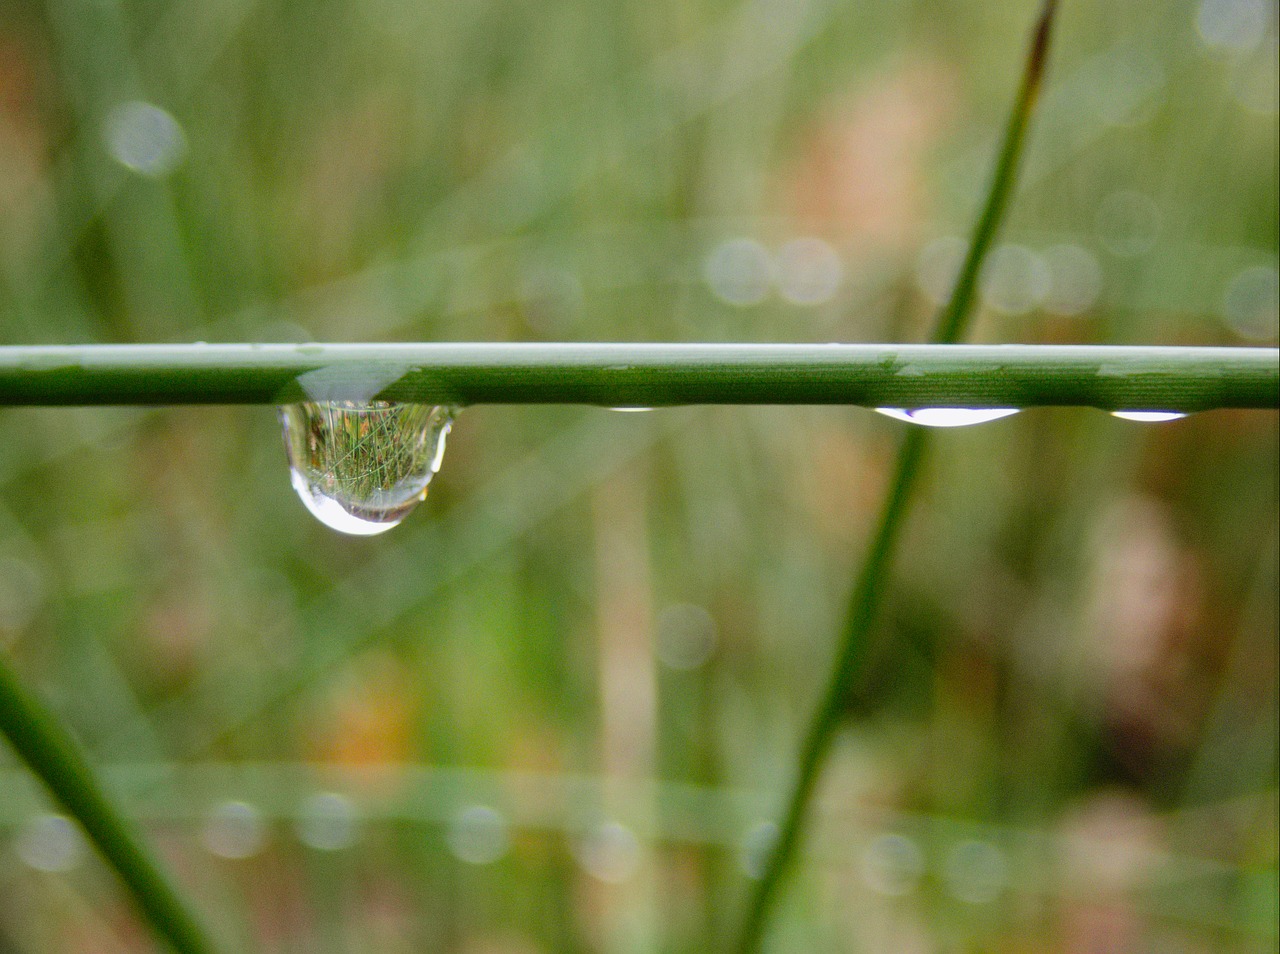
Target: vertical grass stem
[853, 653]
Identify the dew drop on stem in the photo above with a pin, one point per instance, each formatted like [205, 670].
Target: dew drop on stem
[1149, 417]
[947, 416]
[360, 467]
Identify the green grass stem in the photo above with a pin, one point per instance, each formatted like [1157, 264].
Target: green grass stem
[855, 646]
[648, 375]
[55, 757]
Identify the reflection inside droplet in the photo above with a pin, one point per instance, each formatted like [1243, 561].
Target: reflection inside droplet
[1148, 417]
[361, 467]
[947, 416]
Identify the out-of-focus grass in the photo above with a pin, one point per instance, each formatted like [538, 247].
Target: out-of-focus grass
[1084, 702]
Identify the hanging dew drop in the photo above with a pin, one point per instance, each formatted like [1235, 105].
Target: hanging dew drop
[360, 467]
[947, 416]
[1149, 417]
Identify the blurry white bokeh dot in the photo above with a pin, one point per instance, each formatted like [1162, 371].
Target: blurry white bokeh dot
[234, 830]
[327, 822]
[610, 852]
[1015, 280]
[1075, 279]
[478, 835]
[809, 271]
[739, 271]
[1251, 303]
[143, 137]
[51, 843]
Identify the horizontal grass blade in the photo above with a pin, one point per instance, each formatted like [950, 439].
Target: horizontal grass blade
[649, 375]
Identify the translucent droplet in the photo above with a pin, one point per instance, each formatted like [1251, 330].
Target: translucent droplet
[50, 843]
[632, 409]
[327, 822]
[610, 852]
[235, 830]
[361, 467]
[1149, 417]
[144, 138]
[478, 835]
[976, 872]
[947, 416]
[892, 865]
[757, 845]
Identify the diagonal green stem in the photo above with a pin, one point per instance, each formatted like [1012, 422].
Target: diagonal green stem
[51, 752]
[854, 651]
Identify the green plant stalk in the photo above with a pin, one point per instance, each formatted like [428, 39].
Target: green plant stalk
[51, 752]
[855, 647]
[651, 375]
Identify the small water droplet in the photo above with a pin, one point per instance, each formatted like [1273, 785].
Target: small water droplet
[361, 467]
[1149, 417]
[947, 416]
[632, 409]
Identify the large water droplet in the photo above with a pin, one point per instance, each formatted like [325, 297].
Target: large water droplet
[947, 416]
[361, 467]
[1149, 417]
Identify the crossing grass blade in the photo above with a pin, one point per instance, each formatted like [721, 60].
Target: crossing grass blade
[52, 753]
[855, 650]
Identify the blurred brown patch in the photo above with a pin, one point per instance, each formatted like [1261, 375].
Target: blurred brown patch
[860, 173]
[1110, 845]
[23, 149]
[1147, 600]
[368, 717]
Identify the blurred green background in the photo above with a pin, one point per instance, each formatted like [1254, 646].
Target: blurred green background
[556, 709]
